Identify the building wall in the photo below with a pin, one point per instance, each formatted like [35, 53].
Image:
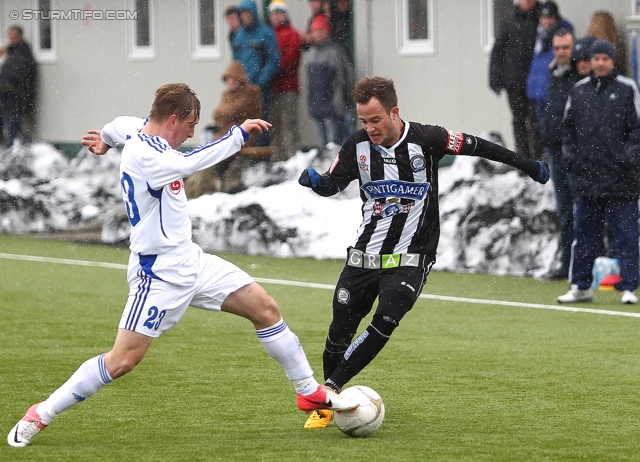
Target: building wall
[92, 80]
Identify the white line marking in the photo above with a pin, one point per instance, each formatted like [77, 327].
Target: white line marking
[312, 285]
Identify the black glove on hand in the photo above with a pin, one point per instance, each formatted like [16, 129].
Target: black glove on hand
[543, 173]
[310, 178]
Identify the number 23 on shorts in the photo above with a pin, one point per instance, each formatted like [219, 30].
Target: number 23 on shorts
[155, 318]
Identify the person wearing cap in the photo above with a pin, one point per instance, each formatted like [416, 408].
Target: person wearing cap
[564, 76]
[329, 82]
[601, 138]
[581, 55]
[255, 46]
[286, 86]
[543, 54]
[509, 67]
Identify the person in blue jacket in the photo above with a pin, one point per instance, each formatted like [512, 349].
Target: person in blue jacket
[600, 144]
[256, 47]
[538, 78]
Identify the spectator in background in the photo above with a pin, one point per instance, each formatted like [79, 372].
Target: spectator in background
[600, 142]
[340, 22]
[509, 68]
[564, 76]
[255, 46]
[17, 84]
[317, 7]
[543, 54]
[581, 55]
[327, 80]
[603, 27]
[240, 100]
[286, 87]
[233, 21]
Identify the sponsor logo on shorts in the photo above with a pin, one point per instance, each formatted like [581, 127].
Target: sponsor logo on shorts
[406, 284]
[343, 296]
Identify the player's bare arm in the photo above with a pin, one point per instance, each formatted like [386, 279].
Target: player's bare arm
[94, 143]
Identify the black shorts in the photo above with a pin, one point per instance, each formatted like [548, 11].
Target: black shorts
[358, 288]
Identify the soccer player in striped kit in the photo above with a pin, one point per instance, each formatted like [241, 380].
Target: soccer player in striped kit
[396, 165]
[167, 271]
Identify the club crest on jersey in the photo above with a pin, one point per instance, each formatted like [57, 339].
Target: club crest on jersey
[395, 188]
[176, 187]
[454, 141]
[418, 164]
[391, 209]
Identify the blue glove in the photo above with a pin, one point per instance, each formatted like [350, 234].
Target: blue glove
[310, 178]
[543, 172]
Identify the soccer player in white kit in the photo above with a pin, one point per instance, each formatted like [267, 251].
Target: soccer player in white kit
[168, 272]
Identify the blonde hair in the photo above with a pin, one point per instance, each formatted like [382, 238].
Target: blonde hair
[603, 27]
[175, 98]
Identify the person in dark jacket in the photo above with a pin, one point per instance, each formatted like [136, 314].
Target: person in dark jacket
[509, 68]
[600, 139]
[17, 84]
[564, 76]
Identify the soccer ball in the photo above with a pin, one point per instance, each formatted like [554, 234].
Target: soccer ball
[365, 419]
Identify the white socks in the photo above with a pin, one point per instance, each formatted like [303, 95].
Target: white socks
[283, 346]
[84, 383]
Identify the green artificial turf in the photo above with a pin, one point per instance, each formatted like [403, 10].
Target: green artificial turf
[461, 381]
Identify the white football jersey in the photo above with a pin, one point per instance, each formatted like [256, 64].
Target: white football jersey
[151, 176]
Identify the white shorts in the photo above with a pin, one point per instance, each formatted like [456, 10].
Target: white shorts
[161, 288]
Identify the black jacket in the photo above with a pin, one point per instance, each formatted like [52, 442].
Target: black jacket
[513, 50]
[557, 93]
[18, 77]
[601, 128]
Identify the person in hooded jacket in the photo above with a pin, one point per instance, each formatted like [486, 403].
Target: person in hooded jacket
[600, 143]
[255, 46]
[543, 54]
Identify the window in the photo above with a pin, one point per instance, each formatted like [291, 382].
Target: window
[43, 30]
[141, 42]
[493, 12]
[416, 27]
[204, 26]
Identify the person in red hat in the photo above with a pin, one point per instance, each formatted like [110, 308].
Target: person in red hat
[330, 80]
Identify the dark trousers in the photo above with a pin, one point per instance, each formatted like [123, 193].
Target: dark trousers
[564, 206]
[525, 121]
[11, 119]
[620, 216]
[264, 138]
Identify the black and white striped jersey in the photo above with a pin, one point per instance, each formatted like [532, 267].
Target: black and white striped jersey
[399, 184]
